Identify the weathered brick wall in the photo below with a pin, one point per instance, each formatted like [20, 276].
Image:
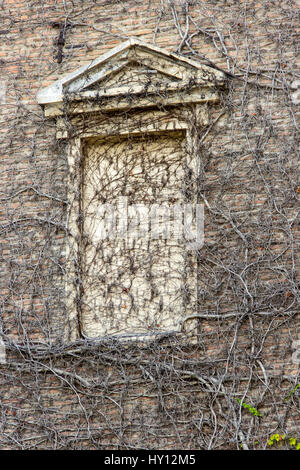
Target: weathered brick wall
[162, 395]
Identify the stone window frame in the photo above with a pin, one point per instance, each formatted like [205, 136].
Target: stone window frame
[82, 114]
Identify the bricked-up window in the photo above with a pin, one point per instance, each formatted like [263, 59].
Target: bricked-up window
[132, 119]
[136, 279]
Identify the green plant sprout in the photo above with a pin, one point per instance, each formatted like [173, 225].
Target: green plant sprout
[292, 391]
[251, 409]
[282, 437]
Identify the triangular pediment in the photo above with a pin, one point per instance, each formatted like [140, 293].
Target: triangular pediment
[131, 76]
[133, 67]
